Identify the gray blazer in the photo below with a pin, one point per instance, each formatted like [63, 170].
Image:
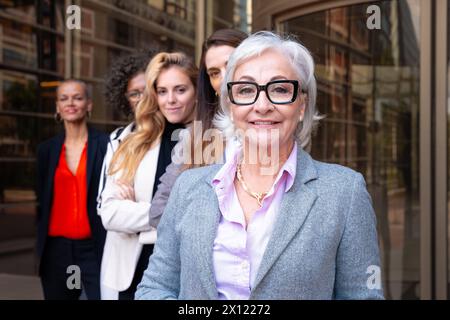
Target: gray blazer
[159, 200]
[323, 246]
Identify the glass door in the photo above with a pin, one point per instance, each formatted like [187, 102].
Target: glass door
[369, 85]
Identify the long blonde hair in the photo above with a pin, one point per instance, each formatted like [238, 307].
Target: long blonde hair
[150, 122]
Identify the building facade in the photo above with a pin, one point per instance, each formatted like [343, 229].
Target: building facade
[38, 49]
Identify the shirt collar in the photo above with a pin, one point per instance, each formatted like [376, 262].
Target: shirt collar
[290, 166]
[224, 178]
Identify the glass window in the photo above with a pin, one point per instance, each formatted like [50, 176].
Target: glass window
[23, 10]
[34, 56]
[368, 88]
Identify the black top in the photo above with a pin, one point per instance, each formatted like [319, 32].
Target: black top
[165, 151]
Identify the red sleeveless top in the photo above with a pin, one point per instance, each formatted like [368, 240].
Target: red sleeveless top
[69, 217]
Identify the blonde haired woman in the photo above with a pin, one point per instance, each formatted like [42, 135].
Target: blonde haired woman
[141, 158]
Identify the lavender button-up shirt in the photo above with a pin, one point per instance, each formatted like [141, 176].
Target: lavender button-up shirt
[238, 249]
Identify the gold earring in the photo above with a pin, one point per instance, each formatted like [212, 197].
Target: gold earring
[89, 114]
[57, 117]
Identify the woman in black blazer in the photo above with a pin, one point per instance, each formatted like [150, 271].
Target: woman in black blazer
[70, 235]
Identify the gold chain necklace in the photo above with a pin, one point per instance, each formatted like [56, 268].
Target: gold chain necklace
[259, 196]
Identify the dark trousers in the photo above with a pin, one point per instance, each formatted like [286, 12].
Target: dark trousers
[141, 266]
[59, 282]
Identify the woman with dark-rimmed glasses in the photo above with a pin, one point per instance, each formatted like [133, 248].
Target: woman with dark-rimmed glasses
[270, 223]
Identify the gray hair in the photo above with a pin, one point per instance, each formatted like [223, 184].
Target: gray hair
[303, 65]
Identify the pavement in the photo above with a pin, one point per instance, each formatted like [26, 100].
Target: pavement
[18, 277]
[20, 287]
[18, 264]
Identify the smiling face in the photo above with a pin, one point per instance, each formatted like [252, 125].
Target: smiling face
[216, 60]
[264, 117]
[72, 103]
[176, 95]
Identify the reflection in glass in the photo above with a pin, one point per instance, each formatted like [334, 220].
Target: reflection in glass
[35, 53]
[368, 88]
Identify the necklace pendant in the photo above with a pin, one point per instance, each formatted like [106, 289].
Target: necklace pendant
[259, 198]
[257, 195]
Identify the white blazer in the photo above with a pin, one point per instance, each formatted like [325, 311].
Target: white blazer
[126, 221]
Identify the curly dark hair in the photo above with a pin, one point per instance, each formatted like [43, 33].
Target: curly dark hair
[123, 69]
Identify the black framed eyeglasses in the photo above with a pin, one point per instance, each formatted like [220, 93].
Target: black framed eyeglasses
[134, 95]
[245, 93]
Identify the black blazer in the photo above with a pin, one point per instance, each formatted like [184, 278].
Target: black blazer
[48, 154]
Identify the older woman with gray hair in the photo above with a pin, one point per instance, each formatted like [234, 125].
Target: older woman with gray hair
[271, 222]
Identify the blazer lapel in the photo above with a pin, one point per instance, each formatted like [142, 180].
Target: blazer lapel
[294, 209]
[91, 152]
